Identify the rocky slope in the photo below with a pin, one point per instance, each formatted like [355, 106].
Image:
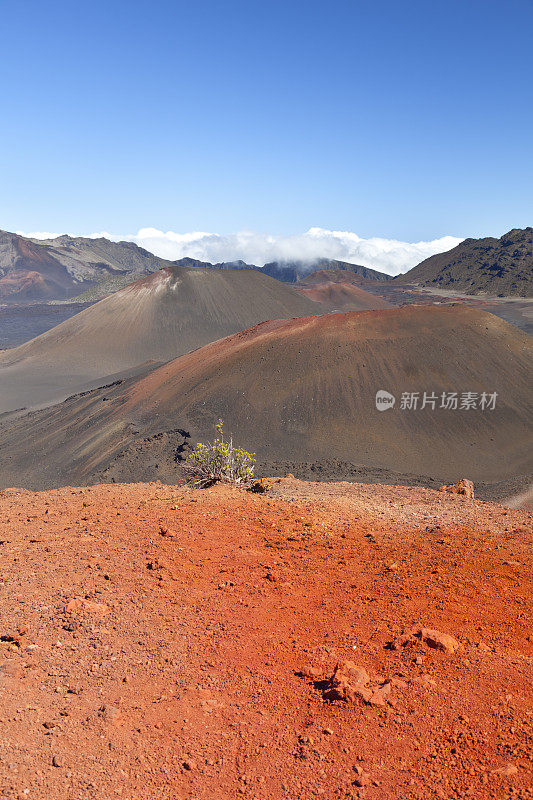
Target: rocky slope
[498, 267]
[61, 268]
[158, 642]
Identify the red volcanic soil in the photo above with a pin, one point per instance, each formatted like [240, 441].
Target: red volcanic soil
[342, 296]
[24, 284]
[161, 642]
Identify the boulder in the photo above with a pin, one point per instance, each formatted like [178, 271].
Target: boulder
[464, 486]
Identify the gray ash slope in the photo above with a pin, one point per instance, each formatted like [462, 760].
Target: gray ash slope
[302, 392]
[152, 320]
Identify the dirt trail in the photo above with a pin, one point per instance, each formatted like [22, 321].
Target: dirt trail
[151, 639]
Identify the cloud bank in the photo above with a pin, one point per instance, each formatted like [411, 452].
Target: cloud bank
[387, 255]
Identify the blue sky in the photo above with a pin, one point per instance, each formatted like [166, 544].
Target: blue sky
[407, 120]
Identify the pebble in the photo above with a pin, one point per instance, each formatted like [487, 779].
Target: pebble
[507, 770]
[83, 605]
[111, 714]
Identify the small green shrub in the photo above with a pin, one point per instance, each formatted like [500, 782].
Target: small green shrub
[219, 461]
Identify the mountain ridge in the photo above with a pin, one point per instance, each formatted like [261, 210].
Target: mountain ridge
[66, 266]
[489, 265]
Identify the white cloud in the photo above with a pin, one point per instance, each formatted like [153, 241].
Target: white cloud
[38, 235]
[387, 255]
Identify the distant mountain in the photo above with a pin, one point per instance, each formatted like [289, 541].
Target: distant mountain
[69, 267]
[492, 266]
[194, 262]
[60, 268]
[294, 271]
[336, 275]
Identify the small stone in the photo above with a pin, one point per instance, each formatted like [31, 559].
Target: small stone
[57, 761]
[328, 732]
[111, 714]
[507, 770]
[49, 725]
[312, 673]
[85, 606]
[189, 765]
[399, 683]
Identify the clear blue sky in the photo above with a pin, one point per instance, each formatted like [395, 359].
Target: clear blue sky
[401, 118]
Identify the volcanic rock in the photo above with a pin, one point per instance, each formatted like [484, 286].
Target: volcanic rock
[464, 486]
[79, 604]
[507, 770]
[350, 683]
[434, 639]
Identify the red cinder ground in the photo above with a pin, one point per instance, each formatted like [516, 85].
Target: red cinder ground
[177, 677]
